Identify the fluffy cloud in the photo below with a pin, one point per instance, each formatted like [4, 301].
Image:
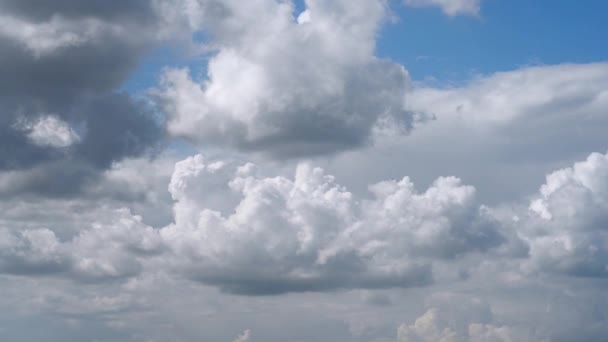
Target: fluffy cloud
[433, 327]
[100, 252]
[500, 132]
[285, 86]
[450, 7]
[566, 224]
[459, 320]
[311, 234]
[50, 131]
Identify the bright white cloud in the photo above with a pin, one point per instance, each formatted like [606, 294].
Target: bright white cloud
[96, 253]
[460, 319]
[49, 131]
[310, 233]
[566, 227]
[283, 86]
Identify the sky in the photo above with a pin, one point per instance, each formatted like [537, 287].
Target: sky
[318, 170]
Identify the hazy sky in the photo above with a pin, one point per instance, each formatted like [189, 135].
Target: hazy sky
[319, 170]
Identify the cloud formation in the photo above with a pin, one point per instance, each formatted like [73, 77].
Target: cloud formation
[463, 320]
[566, 227]
[288, 84]
[109, 229]
[310, 234]
[61, 67]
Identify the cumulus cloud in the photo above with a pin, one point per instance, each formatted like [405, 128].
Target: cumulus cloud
[49, 131]
[96, 253]
[450, 7]
[460, 319]
[566, 223]
[309, 233]
[285, 86]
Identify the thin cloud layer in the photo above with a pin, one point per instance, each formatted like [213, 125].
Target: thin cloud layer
[450, 7]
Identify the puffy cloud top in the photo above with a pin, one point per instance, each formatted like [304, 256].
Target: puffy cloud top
[286, 86]
[309, 233]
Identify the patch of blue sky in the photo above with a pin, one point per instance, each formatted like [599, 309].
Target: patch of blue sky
[507, 35]
[439, 49]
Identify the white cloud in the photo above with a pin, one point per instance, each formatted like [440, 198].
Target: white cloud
[310, 233]
[500, 132]
[42, 39]
[49, 131]
[279, 86]
[96, 253]
[460, 319]
[450, 7]
[566, 224]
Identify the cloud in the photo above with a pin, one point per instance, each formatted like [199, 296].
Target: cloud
[50, 131]
[310, 234]
[450, 7]
[62, 65]
[101, 252]
[460, 319]
[244, 337]
[286, 88]
[565, 226]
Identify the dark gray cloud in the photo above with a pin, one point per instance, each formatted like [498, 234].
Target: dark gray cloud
[65, 60]
[44, 10]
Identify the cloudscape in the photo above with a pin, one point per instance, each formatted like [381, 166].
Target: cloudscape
[303, 170]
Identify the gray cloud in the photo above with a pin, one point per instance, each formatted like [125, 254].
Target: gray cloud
[64, 63]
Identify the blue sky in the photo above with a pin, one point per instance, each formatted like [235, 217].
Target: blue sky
[444, 49]
[506, 35]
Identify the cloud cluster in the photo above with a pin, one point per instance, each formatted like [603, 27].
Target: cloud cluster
[101, 252]
[566, 224]
[288, 84]
[93, 229]
[309, 233]
[459, 321]
[246, 233]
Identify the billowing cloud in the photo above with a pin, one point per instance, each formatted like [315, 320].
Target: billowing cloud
[98, 239]
[309, 233]
[450, 7]
[288, 86]
[566, 224]
[100, 252]
[469, 320]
